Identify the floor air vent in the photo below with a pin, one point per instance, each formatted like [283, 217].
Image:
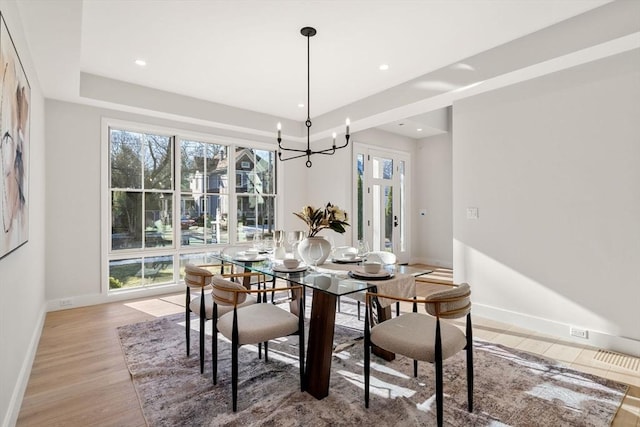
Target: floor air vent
[617, 359]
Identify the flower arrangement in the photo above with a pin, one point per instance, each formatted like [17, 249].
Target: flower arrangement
[329, 216]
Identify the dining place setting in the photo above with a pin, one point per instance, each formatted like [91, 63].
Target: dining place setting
[309, 261]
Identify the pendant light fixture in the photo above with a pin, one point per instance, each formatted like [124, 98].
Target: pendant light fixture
[309, 32]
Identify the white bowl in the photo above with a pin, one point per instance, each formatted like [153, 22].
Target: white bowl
[372, 267]
[349, 255]
[291, 263]
[251, 254]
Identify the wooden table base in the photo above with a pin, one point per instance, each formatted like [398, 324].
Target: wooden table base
[320, 346]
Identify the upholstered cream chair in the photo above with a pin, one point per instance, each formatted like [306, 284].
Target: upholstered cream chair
[339, 251]
[426, 337]
[254, 324]
[384, 258]
[233, 251]
[198, 278]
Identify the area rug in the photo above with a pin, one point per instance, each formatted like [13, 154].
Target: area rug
[512, 388]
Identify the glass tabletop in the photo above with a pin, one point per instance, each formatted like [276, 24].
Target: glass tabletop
[337, 283]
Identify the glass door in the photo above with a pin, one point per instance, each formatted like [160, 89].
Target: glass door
[381, 203]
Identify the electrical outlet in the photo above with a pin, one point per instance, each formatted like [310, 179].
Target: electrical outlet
[577, 332]
[472, 213]
[66, 302]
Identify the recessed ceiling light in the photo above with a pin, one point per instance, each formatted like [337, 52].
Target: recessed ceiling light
[419, 129]
[384, 67]
[141, 62]
[301, 105]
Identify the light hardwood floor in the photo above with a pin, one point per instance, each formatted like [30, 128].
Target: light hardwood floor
[79, 377]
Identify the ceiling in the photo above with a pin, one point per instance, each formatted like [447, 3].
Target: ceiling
[250, 55]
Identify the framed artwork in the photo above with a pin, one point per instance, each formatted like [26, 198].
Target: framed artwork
[15, 97]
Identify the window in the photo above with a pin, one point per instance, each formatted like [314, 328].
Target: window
[171, 200]
[256, 197]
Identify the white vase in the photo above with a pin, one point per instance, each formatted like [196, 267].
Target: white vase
[314, 250]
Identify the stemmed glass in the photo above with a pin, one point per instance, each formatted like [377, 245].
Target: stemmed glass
[363, 249]
[294, 238]
[315, 253]
[278, 237]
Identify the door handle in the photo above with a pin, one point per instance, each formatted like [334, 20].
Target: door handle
[395, 220]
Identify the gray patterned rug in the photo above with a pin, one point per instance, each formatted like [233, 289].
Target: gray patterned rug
[511, 387]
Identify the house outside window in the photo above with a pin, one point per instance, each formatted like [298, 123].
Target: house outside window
[172, 202]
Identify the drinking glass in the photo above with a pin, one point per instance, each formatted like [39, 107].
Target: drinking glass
[363, 248]
[267, 244]
[257, 242]
[294, 238]
[315, 253]
[278, 237]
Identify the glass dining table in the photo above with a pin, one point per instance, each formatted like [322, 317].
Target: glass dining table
[327, 283]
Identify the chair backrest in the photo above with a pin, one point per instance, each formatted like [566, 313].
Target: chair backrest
[451, 303]
[382, 257]
[223, 291]
[339, 251]
[196, 277]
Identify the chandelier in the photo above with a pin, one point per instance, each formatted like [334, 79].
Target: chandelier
[309, 32]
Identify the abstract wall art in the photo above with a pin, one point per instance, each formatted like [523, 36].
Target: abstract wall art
[15, 97]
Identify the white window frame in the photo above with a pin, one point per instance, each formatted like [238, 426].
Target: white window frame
[105, 189]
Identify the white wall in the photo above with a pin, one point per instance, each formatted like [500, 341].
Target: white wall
[552, 165]
[22, 273]
[433, 194]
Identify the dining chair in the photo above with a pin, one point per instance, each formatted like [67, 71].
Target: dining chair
[233, 251]
[254, 324]
[426, 337]
[384, 258]
[199, 278]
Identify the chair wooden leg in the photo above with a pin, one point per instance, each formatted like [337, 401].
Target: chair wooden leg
[234, 361]
[203, 318]
[367, 356]
[266, 351]
[469, 334]
[234, 375]
[214, 344]
[273, 285]
[303, 386]
[438, 362]
[397, 308]
[259, 350]
[358, 310]
[187, 319]
[415, 369]
[214, 356]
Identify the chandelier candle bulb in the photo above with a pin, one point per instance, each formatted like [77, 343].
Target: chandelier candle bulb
[348, 123]
[279, 129]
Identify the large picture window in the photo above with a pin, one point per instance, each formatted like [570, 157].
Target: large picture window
[173, 199]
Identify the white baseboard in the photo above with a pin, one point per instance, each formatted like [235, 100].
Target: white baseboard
[94, 299]
[432, 261]
[596, 339]
[11, 417]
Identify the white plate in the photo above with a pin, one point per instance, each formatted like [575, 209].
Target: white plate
[381, 275]
[283, 269]
[245, 259]
[346, 260]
